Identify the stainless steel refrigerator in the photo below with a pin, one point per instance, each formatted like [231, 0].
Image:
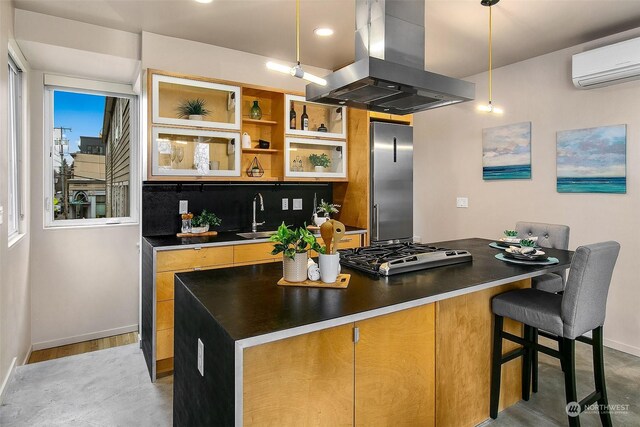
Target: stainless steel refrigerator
[391, 182]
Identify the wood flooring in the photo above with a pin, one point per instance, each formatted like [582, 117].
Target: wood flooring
[82, 347]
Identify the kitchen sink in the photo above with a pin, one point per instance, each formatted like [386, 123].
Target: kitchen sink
[256, 235]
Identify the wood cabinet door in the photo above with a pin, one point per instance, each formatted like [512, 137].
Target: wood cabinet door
[300, 381]
[395, 369]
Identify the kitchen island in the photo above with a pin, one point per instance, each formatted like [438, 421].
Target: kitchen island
[409, 349]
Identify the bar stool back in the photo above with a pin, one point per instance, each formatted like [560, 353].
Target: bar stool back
[582, 308]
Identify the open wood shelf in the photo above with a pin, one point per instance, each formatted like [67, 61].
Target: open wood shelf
[260, 150]
[259, 122]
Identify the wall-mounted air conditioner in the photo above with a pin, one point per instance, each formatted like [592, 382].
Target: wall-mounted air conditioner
[607, 65]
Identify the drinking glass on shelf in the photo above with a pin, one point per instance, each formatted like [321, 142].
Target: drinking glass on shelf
[300, 167]
[173, 155]
[179, 154]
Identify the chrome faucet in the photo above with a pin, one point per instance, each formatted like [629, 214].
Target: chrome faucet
[254, 224]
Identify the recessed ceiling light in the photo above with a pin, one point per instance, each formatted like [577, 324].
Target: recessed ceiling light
[204, 1]
[323, 31]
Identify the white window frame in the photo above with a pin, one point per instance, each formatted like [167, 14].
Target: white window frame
[69, 84]
[15, 195]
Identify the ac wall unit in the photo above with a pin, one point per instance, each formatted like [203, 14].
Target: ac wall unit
[607, 65]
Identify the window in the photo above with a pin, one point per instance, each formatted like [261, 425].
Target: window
[92, 155]
[15, 148]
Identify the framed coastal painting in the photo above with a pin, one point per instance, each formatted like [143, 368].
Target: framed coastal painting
[592, 160]
[506, 152]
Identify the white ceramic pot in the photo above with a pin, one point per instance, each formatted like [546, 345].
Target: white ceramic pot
[203, 229]
[329, 267]
[295, 270]
[246, 140]
[319, 220]
[319, 169]
[195, 117]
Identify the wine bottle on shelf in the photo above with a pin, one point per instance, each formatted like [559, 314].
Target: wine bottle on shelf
[304, 119]
[292, 118]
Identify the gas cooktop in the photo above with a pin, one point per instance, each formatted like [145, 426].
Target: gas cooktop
[396, 258]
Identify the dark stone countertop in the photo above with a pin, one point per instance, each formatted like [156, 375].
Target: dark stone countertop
[223, 238]
[247, 303]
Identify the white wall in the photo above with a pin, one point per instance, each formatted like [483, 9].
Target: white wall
[84, 281]
[15, 298]
[448, 163]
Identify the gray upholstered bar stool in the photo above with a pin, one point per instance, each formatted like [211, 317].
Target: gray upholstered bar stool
[580, 309]
[554, 236]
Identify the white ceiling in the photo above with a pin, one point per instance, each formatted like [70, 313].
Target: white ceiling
[456, 30]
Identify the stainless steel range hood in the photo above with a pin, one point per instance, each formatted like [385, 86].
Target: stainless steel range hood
[388, 75]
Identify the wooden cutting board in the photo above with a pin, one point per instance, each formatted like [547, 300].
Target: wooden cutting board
[341, 282]
[206, 233]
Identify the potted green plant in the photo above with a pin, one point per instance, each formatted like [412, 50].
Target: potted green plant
[319, 161]
[201, 223]
[193, 109]
[294, 246]
[324, 211]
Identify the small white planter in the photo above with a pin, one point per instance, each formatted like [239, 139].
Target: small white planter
[196, 230]
[329, 267]
[319, 169]
[295, 270]
[195, 117]
[319, 220]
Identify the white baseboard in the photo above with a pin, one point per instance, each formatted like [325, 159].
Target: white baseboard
[7, 378]
[26, 358]
[622, 347]
[84, 337]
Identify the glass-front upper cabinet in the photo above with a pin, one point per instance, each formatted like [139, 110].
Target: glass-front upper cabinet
[315, 158]
[186, 102]
[193, 152]
[322, 120]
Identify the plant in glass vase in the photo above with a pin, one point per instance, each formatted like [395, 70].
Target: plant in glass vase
[294, 244]
[193, 109]
[320, 161]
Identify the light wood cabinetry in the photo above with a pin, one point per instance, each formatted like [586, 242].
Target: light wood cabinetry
[170, 262]
[210, 147]
[323, 378]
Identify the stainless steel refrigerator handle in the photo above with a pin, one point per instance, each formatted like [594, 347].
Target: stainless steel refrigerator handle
[375, 212]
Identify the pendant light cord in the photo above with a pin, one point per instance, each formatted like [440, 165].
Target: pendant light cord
[298, 31]
[490, 49]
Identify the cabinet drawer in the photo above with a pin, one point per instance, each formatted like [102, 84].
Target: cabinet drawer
[253, 253]
[182, 259]
[165, 281]
[164, 344]
[164, 315]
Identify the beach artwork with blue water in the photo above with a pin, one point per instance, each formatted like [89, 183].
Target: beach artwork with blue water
[506, 152]
[592, 160]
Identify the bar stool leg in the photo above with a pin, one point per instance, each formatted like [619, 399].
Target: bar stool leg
[496, 365]
[569, 357]
[598, 372]
[526, 363]
[534, 361]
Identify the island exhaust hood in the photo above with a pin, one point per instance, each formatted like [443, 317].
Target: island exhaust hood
[388, 75]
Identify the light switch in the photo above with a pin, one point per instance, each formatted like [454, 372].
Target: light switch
[297, 204]
[462, 202]
[184, 207]
[285, 204]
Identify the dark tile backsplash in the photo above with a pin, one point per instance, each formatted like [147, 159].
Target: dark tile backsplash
[230, 201]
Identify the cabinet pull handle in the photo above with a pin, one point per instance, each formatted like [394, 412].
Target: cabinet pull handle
[197, 268]
[356, 334]
[197, 248]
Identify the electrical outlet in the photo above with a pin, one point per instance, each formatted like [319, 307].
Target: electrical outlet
[200, 357]
[462, 202]
[184, 207]
[297, 204]
[285, 204]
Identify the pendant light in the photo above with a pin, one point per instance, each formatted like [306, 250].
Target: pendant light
[297, 70]
[490, 108]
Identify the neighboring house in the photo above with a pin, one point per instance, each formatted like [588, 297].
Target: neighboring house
[115, 138]
[87, 195]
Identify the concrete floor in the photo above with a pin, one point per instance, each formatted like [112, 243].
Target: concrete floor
[112, 388]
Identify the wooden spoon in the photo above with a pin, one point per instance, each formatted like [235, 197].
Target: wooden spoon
[338, 234]
[326, 231]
